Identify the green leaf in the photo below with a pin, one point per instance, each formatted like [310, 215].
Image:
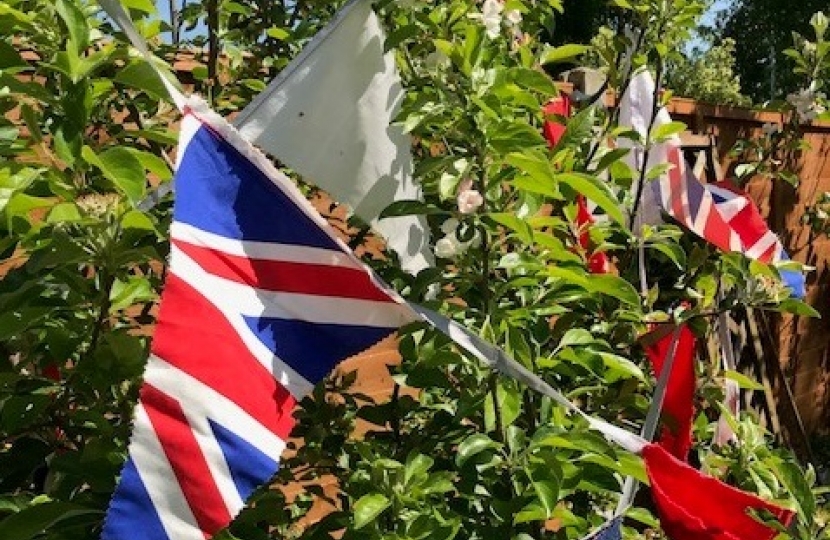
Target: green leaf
[613, 286]
[75, 22]
[473, 445]
[416, 467]
[594, 189]
[547, 491]
[533, 511]
[10, 58]
[514, 136]
[742, 380]
[135, 219]
[36, 519]
[369, 507]
[144, 6]
[563, 53]
[621, 365]
[64, 213]
[797, 307]
[133, 291]
[408, 208]
[141, 76]
[153, 164]
[793, 479]
[120, 167]
[280, 34]
[664, 131]
[533, 80]
[518, 225]
[14, 182]
[471, 48]
[578, 129]
[537, 166]
[672, 251]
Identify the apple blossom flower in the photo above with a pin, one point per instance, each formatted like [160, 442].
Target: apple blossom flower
[491, 16]
[513, 17]
[448, 247]
[469, 200]
[449, 226]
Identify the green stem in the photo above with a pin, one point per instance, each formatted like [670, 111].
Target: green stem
[212, 8]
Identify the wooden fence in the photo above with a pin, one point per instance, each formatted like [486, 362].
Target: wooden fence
[797, 349]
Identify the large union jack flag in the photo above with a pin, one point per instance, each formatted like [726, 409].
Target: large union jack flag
[260, 302]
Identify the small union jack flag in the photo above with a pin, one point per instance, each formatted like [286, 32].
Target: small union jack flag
[260, 302]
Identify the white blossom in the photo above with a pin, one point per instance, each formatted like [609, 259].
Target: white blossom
[469, 200]
[807, 104]
[513, 17]
[449, 226]
[491, 16]
[448, 247]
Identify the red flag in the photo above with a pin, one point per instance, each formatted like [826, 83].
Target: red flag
[678, 404]
[551, 129]
[692, 506]
[598, 262]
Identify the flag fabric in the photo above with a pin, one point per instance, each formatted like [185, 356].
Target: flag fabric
[635, 113]
[692, 506]
[598, 262]
[261, 300]
[327, 115]
[610, 530]
[553, 130]
[741, 213]
[720, 215]
[678, 403]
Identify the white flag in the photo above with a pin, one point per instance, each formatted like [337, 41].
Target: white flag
[327, 116]
[635, 113]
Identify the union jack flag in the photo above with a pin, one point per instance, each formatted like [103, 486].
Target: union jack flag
[721, 215]
[260, 302]
[759, 242]
[685, 199]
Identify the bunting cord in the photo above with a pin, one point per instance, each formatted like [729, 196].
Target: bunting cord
[498, 360]
[649, 429]
[116, 12]
[473, 344]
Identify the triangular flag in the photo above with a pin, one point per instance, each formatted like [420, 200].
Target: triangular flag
[677, 191]
[327, 116]
[598, 262]
[553, 130]
[678, 403]
[692, 506]
[261, 300]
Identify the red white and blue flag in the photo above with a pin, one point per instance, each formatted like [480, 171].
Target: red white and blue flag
[260, 302]
[759, 242]
[721, 216]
